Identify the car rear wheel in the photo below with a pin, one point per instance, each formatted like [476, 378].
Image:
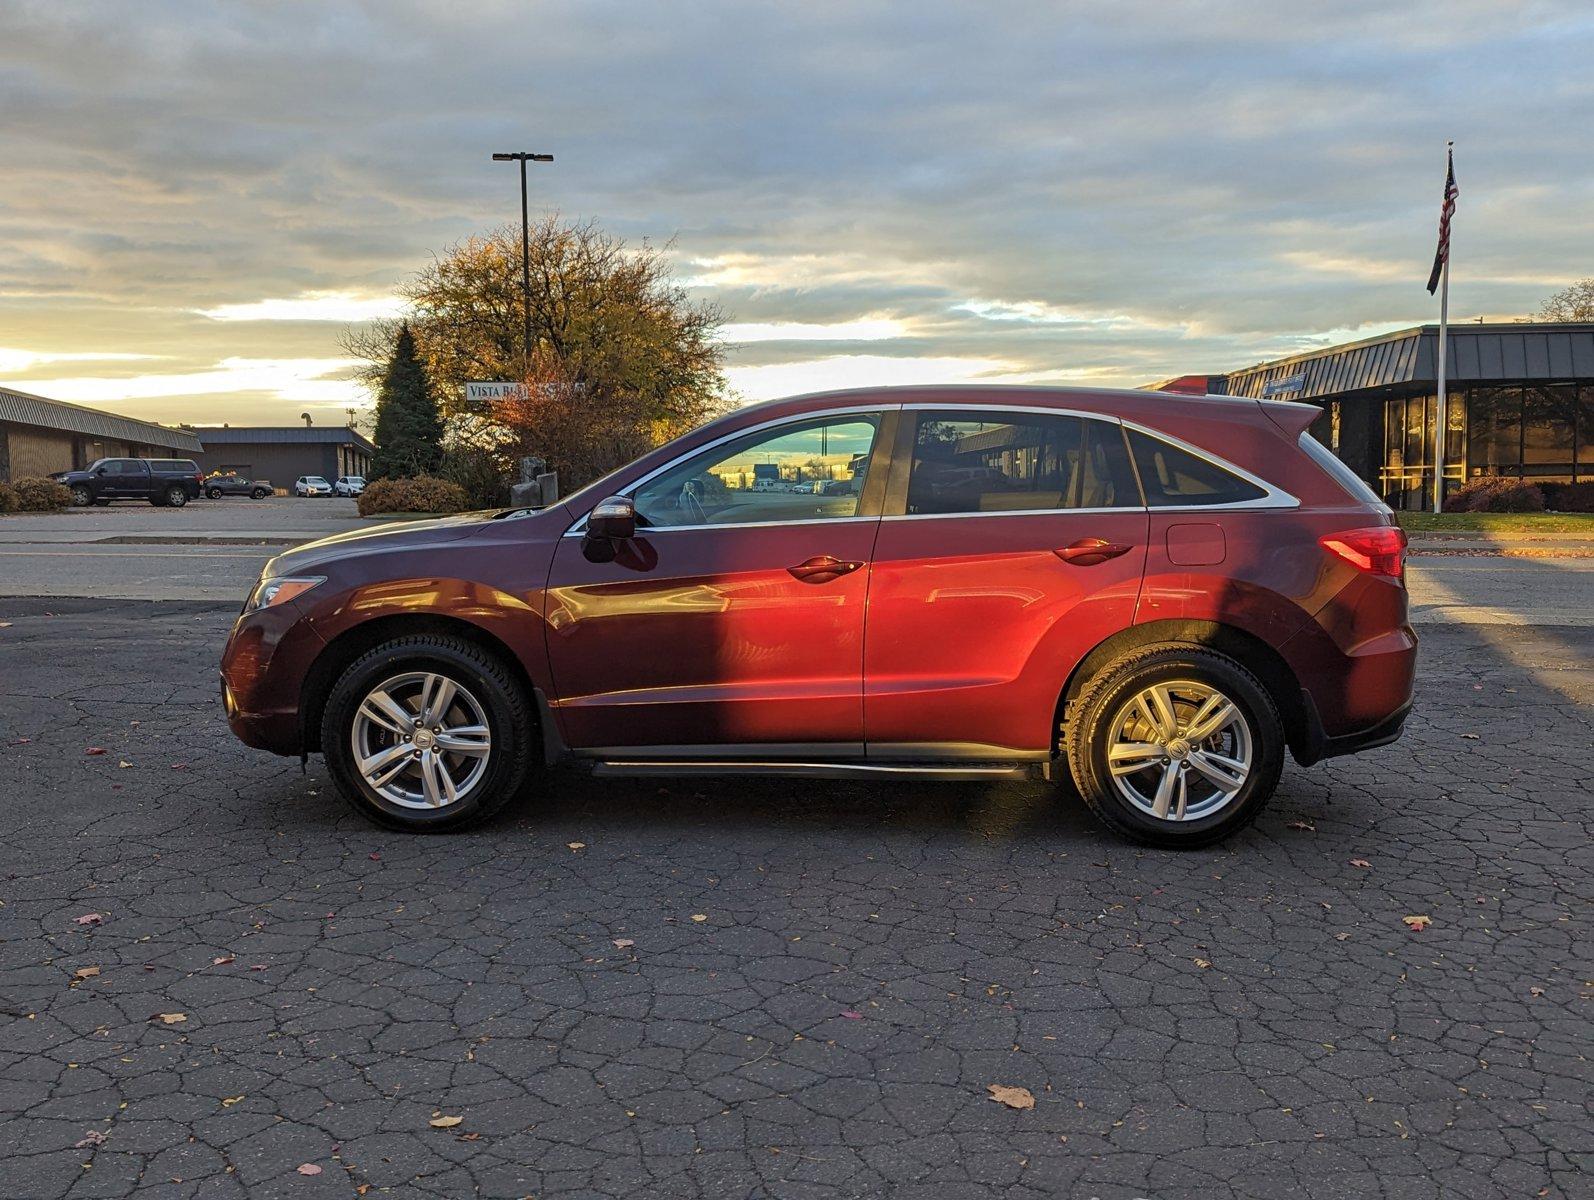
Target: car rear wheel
[428, 734]
[176, 497]
[1175, 746]
[81, 497]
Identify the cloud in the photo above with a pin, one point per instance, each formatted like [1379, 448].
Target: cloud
[344, 307]
[976, 188]
[17, 361]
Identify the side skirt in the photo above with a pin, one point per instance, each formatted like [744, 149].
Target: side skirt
[951, 772]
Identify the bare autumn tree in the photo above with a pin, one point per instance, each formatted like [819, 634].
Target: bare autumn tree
[1574, 303]
[621, 358]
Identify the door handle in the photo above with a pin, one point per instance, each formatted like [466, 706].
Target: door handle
[1088, 552]
[822, 569]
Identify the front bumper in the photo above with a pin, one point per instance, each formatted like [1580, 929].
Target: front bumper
[263, 670]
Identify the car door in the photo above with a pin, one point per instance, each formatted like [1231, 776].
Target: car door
[733, 622]
[1012, 542]
[127, 478]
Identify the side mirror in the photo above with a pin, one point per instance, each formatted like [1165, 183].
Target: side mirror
[614, 518]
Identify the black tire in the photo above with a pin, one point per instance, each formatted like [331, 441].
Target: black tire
[215, 493]
[176, 497]
[1089, 728]
[81, 497]
[510, 721]
[260, 493]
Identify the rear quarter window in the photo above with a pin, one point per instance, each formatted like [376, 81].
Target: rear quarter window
[1173, 477]
[1343, 475]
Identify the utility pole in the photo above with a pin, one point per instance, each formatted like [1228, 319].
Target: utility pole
[523, 157]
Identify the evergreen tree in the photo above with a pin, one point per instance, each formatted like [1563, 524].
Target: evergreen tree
[408, 429]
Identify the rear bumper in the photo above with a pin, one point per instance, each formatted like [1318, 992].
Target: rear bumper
[1316, 745]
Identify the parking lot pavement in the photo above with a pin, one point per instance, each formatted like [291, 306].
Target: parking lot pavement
[212, 979]
[207, 550]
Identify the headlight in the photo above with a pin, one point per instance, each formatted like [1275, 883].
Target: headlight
[270, 592]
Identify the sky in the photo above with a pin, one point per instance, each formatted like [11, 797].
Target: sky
[197, 198]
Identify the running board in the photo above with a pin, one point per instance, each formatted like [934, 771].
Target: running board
[818, 770]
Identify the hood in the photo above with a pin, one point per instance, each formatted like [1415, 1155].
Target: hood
[379, 539]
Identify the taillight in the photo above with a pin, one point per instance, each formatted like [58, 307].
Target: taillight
[1378, 550]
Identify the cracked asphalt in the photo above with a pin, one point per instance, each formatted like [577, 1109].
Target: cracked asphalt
[783, 989]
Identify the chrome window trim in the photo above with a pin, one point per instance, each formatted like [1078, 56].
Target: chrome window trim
[1272, 497]
[1017, 512]
[579, 528]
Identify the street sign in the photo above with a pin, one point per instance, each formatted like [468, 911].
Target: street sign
[488, 393]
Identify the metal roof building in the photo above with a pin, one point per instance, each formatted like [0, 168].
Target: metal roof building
[284, 453]
[39, 436]
[1521, 402]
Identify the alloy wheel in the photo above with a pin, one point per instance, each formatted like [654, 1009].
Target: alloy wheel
[1179, 751]
[421, 740]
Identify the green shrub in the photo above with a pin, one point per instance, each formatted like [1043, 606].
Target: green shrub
[1568, 497]
[424, 494]
[477, 471]
[8, 498]
[40, 495]
[1496, 493]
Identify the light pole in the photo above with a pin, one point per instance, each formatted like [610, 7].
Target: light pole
[523, 157]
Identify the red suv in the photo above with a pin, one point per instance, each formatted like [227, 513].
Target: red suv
[967, 583]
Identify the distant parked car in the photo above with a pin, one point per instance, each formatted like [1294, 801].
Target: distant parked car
[218, 486]
[163, 482]
[349, 485]
[311, 485]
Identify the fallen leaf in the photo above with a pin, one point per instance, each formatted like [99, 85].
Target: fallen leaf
[7, 624]
[627, 943]
[1418, 923]
[309, 1169]
[95, 750]
[470, 1137]
[262, 966]
[1471, 737]
[699, 917]
[1361, 862]
[1201, 962]
[184, 766]
[577, 845]
[92, 1138]
[375, 857]
[1013, 1097]
[85, 973]
[1342, 937]
[91, 919]
[852, 1014]
[171, 1018]
[445, 1122]
[227, 958]
[229, 1101]
[1306, 825]
[1535, 991]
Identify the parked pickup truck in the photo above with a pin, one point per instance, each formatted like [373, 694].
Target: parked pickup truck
[161, 481]
[217, 486]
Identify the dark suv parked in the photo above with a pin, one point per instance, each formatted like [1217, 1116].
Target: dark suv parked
[161, 481]
[217, 486]
[1160, 596]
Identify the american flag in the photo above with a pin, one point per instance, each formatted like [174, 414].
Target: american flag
[1446, 211]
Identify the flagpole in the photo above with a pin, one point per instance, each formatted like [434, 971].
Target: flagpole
[1442, 397]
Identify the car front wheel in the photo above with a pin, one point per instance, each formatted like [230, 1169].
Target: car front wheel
[81, 497]
[1175, 746]
[428, 734]
[214, 493]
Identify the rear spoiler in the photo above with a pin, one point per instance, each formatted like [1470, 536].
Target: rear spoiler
[1291, 418]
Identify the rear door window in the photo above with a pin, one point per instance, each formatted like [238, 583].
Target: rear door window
[1006, 461]
[1174, 478]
